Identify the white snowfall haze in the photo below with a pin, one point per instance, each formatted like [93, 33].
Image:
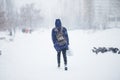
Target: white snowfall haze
[33, 57]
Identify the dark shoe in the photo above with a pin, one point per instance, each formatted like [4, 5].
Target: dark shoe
[58, 65]
[66, 68]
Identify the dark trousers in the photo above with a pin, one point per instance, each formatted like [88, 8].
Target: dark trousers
[64, 57]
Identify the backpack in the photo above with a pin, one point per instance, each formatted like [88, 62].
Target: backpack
[60, 37]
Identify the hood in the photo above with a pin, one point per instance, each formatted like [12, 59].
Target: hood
[58, 23]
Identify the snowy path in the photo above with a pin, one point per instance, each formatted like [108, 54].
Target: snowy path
[32, 57]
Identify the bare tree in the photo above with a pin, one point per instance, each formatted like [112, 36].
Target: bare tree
[7, 17]
[29, 16]
[2, 18]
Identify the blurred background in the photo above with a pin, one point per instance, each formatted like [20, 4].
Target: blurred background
[75, 14]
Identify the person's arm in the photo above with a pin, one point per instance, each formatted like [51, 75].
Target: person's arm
[66, 35]
[53, 36]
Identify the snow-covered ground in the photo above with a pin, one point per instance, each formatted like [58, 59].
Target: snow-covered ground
[32, 57]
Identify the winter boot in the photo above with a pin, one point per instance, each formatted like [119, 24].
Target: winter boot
[66, 68]
[58, 65]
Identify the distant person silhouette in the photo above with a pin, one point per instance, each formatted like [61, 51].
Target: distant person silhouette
[61, 41]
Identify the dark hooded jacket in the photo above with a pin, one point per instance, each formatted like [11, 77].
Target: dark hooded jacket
[58, 27]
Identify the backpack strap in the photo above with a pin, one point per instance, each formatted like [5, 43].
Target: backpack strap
[56, 30]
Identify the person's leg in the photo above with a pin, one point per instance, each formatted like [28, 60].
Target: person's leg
[65, 58]
[58, 58]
